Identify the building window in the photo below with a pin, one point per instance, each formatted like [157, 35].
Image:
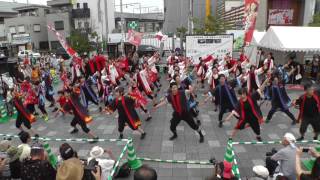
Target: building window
[55, 45]
[59, 25]
[43, 45]
[78, 5]
[21, 29]
[36, 27]
[86, 25]
[12, 29]
[79, 24]
[85, 5]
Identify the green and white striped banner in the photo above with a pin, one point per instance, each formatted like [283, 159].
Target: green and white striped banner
[69, 139]
[273, 142]
[115, 168]
[176, 161]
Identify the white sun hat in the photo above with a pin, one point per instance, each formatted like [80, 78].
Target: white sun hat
[96, 152]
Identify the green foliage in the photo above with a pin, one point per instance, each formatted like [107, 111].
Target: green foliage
[181, 31]
[210, 25]
[316, 20]
[79, 42]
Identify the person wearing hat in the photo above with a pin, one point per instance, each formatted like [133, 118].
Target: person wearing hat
[71, 168]
[37, 167]
[127, 113]
[106, 165]
[261, 173]
[4, 145]
[287, 157]
[14, 154]
[309, 112]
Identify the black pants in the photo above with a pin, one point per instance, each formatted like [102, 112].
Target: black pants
[31, 108]
[223, 110]
[253, 123]
[21, 120]
[42, 109]
[76, 120]
[313, 121]
[185, 116]
[275, 109]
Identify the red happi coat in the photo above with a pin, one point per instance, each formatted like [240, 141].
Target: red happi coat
[140, 99]
[31, 97]
[254, 106]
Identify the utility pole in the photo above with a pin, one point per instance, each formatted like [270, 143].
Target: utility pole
[190, 19]
[122, 29]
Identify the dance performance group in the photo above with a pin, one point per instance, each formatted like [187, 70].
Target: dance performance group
[118, 85]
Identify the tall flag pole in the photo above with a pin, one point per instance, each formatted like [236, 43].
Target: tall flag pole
[249, 21]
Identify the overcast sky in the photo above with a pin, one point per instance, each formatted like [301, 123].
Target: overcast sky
[153, 4]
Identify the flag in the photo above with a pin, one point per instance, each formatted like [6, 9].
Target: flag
[161, 37]
[63, 42]
[249, 21]
[134, 37]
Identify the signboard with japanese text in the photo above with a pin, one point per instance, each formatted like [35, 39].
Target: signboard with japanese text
[280, 16]
[200, 46]
[21, 39]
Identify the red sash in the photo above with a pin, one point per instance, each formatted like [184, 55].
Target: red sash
[87, 119]
[131, 120]
[303, 102]
[255, 113]
[22, 110]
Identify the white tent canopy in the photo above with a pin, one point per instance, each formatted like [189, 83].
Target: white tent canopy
[252, 50]
[292, 39]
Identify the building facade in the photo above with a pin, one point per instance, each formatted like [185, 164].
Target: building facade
[177, 13]
[28, 30]
[145, 22]
[59, 16]
[270, 13]
[6, 11]
[94, 16]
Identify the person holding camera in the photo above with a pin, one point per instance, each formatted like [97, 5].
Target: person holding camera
[286, 157]
[72, 168]
[315, 172]
[106, 164]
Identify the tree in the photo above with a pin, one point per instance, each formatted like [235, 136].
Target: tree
[181, 32]
[210, 25]
[316, 20]
[80, 42]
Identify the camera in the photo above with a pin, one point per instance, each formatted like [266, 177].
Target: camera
[305, 150]
[90, 167]
[272, 152]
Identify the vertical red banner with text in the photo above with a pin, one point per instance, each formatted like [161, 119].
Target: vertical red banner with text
[249, 21]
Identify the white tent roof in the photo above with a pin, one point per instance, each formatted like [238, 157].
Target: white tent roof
[257, 36]
[292, 38]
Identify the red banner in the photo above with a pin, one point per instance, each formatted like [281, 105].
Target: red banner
[63, 42]
[250, 16]
[134, 37]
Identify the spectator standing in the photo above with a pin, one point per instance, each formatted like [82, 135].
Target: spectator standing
[105, 164]
[14, 154]
[315, 66]
[25, 138]
[37, 167]
[71, 168]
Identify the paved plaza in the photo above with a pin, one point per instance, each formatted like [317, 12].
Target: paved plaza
[185, 147]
